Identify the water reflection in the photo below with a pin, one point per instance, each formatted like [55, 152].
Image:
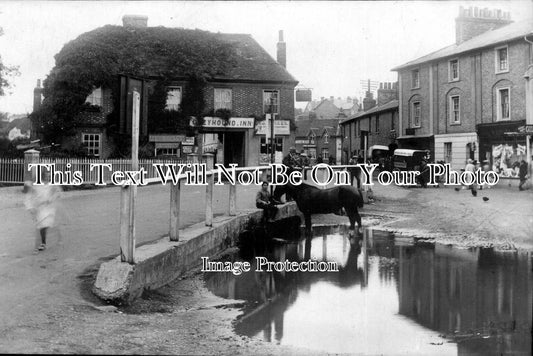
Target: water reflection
[387, 298]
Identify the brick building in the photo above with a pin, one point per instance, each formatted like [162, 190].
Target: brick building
[319, 139]
[460, 100]
[247, 89]
[379, 123]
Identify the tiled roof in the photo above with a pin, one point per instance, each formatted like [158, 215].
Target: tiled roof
[303, 127]
[391, 105]
[490, 38]
[253, 62]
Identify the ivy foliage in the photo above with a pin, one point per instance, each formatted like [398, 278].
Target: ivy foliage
[96, 58]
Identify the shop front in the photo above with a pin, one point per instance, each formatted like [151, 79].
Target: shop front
[503, 146]
[243, 141]
[227, 140]
[279, 144]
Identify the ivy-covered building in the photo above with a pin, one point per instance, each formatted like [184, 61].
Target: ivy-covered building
[204, 92]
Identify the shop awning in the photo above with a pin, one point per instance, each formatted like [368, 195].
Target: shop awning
[405, 137]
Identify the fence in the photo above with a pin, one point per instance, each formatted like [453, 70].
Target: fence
[12, 169]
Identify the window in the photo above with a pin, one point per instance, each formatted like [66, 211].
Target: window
[95, 98]
[502, 63]
[376, 127]
[453, 70]
[326, 137]
[503, 103]
[173, 98]
[222, 99]
[415, 114]
[267, 96]
[357, 128]
[167, 152]
[448, 152]
[415, 76]
[264, 147]
[325, 154]
[393, 122]
[92, 143]
[455, 114]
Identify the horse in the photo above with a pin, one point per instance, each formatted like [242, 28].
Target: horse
[312, 200]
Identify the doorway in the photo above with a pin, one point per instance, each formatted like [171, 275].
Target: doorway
[234, 148]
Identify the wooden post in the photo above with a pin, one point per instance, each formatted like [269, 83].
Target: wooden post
[210, 160]
[232, 199]
[174, 212]
[129, 192]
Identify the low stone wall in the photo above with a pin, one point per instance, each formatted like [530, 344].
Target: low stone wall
[159, 263]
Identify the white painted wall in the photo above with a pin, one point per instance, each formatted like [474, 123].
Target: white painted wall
[459, 148]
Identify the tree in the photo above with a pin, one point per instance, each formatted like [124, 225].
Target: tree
[6, 72]
[96, 58]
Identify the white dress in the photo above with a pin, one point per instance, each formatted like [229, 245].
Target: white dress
[41, 203]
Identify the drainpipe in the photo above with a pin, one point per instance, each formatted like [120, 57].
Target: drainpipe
[529, 103]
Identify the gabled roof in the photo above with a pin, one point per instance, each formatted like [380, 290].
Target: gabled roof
[391, 105]
[305, 127]
[488, 39]
[253, 62]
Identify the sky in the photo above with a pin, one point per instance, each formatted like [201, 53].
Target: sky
[331, 46]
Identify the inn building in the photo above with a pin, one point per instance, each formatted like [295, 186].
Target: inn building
[254, 85]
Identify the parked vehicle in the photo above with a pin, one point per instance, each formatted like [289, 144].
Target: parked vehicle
[409, 160]
[377, 154]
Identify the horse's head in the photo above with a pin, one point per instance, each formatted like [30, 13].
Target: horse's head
[279, 191]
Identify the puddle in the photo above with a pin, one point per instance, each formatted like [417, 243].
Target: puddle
[386, 298]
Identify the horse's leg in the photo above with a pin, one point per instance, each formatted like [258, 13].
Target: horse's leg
[353, 215]
[308, 224]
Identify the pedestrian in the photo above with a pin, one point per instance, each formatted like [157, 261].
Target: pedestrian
[423, 177]
[470, 167]
[523, 175]
[304, 160]
[355, 172]
[292, 160]
[41, 202]
[486, 168]
[264, 201]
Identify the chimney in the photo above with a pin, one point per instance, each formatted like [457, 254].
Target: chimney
[282, 50]
[135, 21]
[473, 22]
[387, 92]
[369, 102]
[37, 96]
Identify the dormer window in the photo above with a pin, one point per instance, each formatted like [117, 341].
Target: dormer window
[95, 98]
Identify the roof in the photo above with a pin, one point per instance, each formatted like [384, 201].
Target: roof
[488, 39]
[253, 62]
[304, 127]
[391, 105]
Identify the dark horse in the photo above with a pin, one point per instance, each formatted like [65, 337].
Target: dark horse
[312, 200]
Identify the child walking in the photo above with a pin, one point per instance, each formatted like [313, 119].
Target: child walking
[40, 201]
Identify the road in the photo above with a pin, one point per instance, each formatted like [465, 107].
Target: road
[88, 229]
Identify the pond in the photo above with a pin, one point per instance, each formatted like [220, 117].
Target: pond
[387, 297]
